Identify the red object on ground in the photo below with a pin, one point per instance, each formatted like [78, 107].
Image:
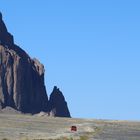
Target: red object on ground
[73, 128]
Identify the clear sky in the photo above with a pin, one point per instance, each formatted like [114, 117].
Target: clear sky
[90, 49]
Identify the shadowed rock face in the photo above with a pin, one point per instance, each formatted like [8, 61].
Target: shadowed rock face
[21, 78]
[57, 104]
[5, 37]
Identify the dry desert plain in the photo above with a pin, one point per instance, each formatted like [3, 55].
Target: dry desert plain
[14, 126]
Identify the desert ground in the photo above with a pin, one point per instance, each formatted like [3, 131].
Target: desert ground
[14, 126]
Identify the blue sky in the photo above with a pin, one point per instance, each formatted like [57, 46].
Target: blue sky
[90, 49]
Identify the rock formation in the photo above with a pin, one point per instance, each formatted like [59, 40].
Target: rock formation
[21, 78]
[57, 104]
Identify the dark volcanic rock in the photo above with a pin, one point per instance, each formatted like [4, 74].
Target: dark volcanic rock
[57, 104]
[22, 81]
[5, 37]
[21, 78]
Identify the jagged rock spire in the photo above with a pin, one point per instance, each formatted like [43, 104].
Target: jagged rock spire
[57, 104]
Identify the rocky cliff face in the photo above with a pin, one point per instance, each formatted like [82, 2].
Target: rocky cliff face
[22, 78]
[21, 82]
